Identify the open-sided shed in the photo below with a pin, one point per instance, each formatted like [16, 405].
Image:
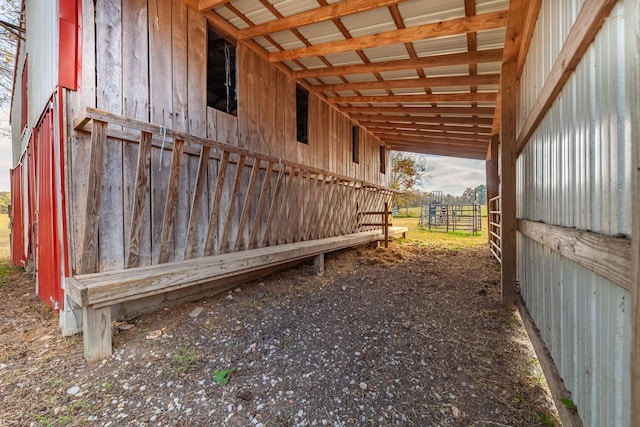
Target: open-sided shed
[164, 148]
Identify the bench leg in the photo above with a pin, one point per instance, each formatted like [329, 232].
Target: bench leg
[96, 333]
[318, 264]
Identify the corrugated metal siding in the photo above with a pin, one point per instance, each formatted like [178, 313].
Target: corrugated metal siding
[554, 22]
[575, 171]
[577, 165]
[42, 47]
[585, 321]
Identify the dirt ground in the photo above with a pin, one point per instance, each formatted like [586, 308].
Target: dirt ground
[405, 336]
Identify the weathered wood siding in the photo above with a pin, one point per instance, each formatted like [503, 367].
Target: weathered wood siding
[162, 79]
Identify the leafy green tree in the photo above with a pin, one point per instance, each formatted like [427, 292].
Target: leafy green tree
[481, 192]
[408, 171]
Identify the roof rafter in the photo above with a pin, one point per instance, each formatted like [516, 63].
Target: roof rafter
[490, 55]
[469, 111]
[382, 133]
[313, 16]
[438, 97]
[486, 21]
[436, 149]
[462, 130]
[205, 5]
[484, 79]
[453, 142]
[426, 119]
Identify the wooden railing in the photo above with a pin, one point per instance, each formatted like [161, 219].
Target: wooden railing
[239, 199]
[384, 221]
[495, 227]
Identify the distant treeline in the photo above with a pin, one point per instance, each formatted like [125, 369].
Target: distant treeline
[5, 202]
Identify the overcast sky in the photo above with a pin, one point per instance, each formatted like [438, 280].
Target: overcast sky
[452, 175]
[5, 149]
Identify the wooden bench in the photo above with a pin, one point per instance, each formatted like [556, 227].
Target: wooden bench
[97, 292]
[398, 231]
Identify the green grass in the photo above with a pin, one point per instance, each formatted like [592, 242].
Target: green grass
[439, 239]
[5, 242]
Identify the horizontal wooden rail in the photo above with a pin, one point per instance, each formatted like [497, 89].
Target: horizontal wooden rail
[607, 256]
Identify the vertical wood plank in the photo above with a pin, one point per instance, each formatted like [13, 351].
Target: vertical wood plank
[508, 138]
[161, 110]
[78, 152]
[197, 73]
[264, 196]
[140, 199]
[215, 207]
[295, 207]
[181, 115]
[274, 207]
[109, 98]
[198, 197]
[94, 191]
[255, 170]
[135, 88]
[229, 223]
[292, 185]
[311, 202]
[170, 203]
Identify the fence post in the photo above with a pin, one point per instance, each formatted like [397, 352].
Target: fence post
[385, 221]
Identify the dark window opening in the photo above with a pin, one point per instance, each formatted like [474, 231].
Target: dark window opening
[355, 144]
[383, 159]
[222, 76]
[302, 115]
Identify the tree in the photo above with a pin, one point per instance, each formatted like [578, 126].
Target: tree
[407, 171]
[10, 31]
[469, 195]
[481, 191]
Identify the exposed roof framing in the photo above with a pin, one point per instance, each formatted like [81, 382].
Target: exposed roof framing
[421, 75]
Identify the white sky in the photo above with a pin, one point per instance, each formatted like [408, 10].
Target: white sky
[5, 149]
[453, 175]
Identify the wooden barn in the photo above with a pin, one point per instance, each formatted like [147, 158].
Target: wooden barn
[164, 149]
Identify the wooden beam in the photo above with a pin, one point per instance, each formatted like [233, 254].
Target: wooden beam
[441, 129]
[512, 41]
[486, 21]
[454, 111]
[198, 193]
[430, 82]
[206, 5]
[313, 16]
[457, 145]
[508, 139]
[568, 417]
[437, 151]
[432, 136]
[424, 119]
[440, 97]
[223, 27]
[533, 9]
[607, 256]
[491, 55]
[588, 22]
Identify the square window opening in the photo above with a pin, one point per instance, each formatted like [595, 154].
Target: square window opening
[222, 74]
[355, 144]
[302, 115]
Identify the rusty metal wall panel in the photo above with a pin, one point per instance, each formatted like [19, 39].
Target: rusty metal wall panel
[576, 172]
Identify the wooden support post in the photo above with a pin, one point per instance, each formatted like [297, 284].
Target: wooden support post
[318, 264]
[140, 199]
[632, 14]
[170, 202]
[89, 261]
[508, 138]
[96, 331]
[492, 174]
[385, 221]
